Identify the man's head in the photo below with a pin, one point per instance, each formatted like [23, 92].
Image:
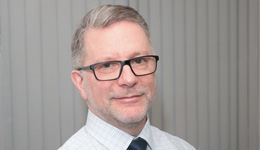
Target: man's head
[102, 17]
[115, 33]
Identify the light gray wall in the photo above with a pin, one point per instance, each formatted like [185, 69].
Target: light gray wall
[207, 80]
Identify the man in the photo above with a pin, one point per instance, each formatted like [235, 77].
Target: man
[115, 67]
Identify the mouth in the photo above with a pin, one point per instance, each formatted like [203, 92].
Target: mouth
[130, 98]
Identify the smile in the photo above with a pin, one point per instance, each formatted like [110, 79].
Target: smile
[132, 98]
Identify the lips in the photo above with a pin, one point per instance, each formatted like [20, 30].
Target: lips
[130, 98]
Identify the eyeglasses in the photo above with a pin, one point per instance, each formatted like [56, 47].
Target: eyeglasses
[111, 70]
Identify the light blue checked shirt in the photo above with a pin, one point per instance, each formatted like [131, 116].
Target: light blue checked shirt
[99, 135]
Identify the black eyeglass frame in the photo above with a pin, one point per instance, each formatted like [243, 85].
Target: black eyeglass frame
[124, 62]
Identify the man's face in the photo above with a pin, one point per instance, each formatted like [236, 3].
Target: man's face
[128, 98]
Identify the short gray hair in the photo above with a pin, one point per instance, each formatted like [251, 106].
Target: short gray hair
[101, 17]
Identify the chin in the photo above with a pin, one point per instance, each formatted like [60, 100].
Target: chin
[131, 117]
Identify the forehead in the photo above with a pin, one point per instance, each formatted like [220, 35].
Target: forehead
[120, 40]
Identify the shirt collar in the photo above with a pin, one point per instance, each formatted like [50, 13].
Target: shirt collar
[112, 137]
[146, 134]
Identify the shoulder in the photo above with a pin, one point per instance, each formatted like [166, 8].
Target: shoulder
[164, 140]
[79, 141]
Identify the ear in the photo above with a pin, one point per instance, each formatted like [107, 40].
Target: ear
[77, 79]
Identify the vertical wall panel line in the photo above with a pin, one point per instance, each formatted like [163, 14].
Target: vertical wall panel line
[11, 80]
[138, 6]
[26, 77]
[197, 75]
[218, 74]
[72, 85]
[247, 84]
[229, 69]
[173, 69]
[58, 71]
[237, 81]
[243, 75]
[258, 31]
[185, 69]
[41, 65]
[207, 80]
[161, 64]
[160, 53]
[148, 12]
[86, 4]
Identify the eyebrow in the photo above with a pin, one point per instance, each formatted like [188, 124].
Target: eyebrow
[113, 58]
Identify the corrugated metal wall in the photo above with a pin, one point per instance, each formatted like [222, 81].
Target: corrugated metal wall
[207, 80]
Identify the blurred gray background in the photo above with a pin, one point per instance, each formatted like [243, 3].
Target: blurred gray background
[207, 80]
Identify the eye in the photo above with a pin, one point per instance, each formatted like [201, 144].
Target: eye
[106, 65]
[138, 60]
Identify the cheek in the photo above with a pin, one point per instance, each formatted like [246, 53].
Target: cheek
[153, 87]
[98, 91]
[149, 81]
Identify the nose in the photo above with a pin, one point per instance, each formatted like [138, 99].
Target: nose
[127, 77]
